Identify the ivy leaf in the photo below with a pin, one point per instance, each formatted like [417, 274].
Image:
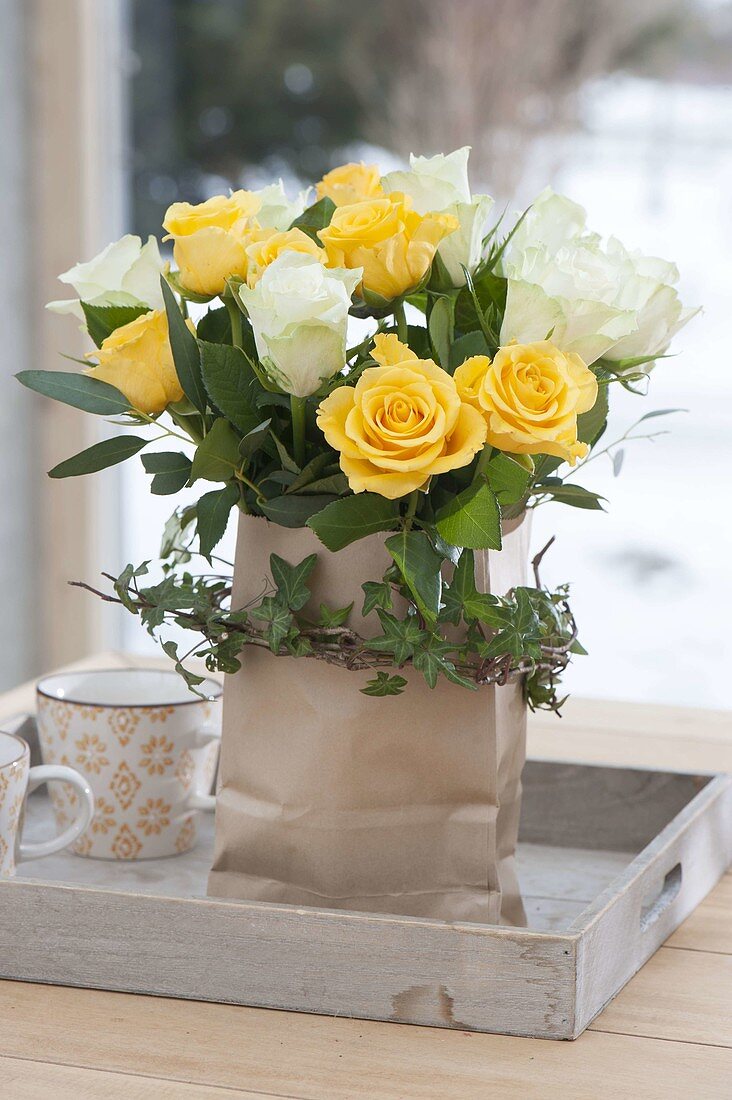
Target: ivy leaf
[315, 217]
[441, 325]
[354, 517]
[171, 470]
[186, 355]
[102, 455]
[191, 678]
[383, 684]
[472, 519]
[217, 456]
[290, 579]
[231, 384]
[333, 617]
[420, 566]
[462, 598]
[431, 659]
[401, 636]
[376, 594]
[212, 511]
[277, 619]
[521, 635]
[78, 390]
[102, 321]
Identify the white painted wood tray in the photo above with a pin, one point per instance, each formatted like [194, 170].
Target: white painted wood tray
[611, 861]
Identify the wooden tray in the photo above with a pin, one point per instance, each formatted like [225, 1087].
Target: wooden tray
[611, 861]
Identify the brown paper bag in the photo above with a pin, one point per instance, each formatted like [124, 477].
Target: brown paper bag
[328, 797]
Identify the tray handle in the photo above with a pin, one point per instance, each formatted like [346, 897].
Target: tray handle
[652, 909]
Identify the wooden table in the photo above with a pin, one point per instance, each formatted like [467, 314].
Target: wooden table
[668, 1034]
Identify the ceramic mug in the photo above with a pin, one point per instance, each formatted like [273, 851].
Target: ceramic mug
[17, 780]
[149, 749]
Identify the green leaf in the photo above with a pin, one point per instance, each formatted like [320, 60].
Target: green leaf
[107, 453]
[331, 617]
[172, 470]
[431, 659]
[333, 485]
[441, 325]
[344, 521]
[576, 495]
[376, 594]
[383, 684]
[186, 356]
[278, 620]
[472, 519]
[78, 390]
[217, 456]
[461, 597]
[215, 327]
[212, 512]
[400, 637]
[315, 217]
[591, 424]
[231, 384]
[310, 472]
[254, 439]
[465, 347]
[290, 579]
[295, 510]
[101, 321]
[192, 679]
[508, 479]
[420, 565]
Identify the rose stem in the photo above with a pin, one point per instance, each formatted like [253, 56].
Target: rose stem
[400, 321]
[235, 318]
[297, 407]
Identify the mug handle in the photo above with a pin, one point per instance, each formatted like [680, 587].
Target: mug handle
[42, 774]
[204, 736]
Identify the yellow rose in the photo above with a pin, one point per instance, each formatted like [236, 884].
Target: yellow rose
[394, 245]
[350, 183]
[137, 360]
[211, 239]
[530, 396]
[268, 244]
[401, 423]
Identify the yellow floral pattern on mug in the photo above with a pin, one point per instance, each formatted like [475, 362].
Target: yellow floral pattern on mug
[91, 754]
[157, 756]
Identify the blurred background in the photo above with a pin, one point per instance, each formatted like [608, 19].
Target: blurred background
[113, 109]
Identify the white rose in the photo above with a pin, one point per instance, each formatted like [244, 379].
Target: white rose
[299, 313]
[597, 301]
[277, 211]
[125, 273]
[440, 184]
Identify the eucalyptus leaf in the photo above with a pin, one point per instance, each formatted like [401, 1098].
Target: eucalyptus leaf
[81, 391]
[295, 510]
[107, 453]
[212, 516]
[171, 470]
[217, 456]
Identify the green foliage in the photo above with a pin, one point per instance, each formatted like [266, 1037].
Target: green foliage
[419, 565]
[109, 452]
[102, 321]
[316, 217]
[78, 390]
[186, 355]
[231, 384]
[472, 519]
[170, 469]
[217, 458]
[345, 521]
[441, 329]
[212, 515]
[473, 639]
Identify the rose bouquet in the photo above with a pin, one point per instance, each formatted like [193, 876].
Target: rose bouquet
[431, 427]
[380, 366]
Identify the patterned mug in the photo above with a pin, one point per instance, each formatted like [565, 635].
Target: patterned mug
[149, 749]
[17, 780]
